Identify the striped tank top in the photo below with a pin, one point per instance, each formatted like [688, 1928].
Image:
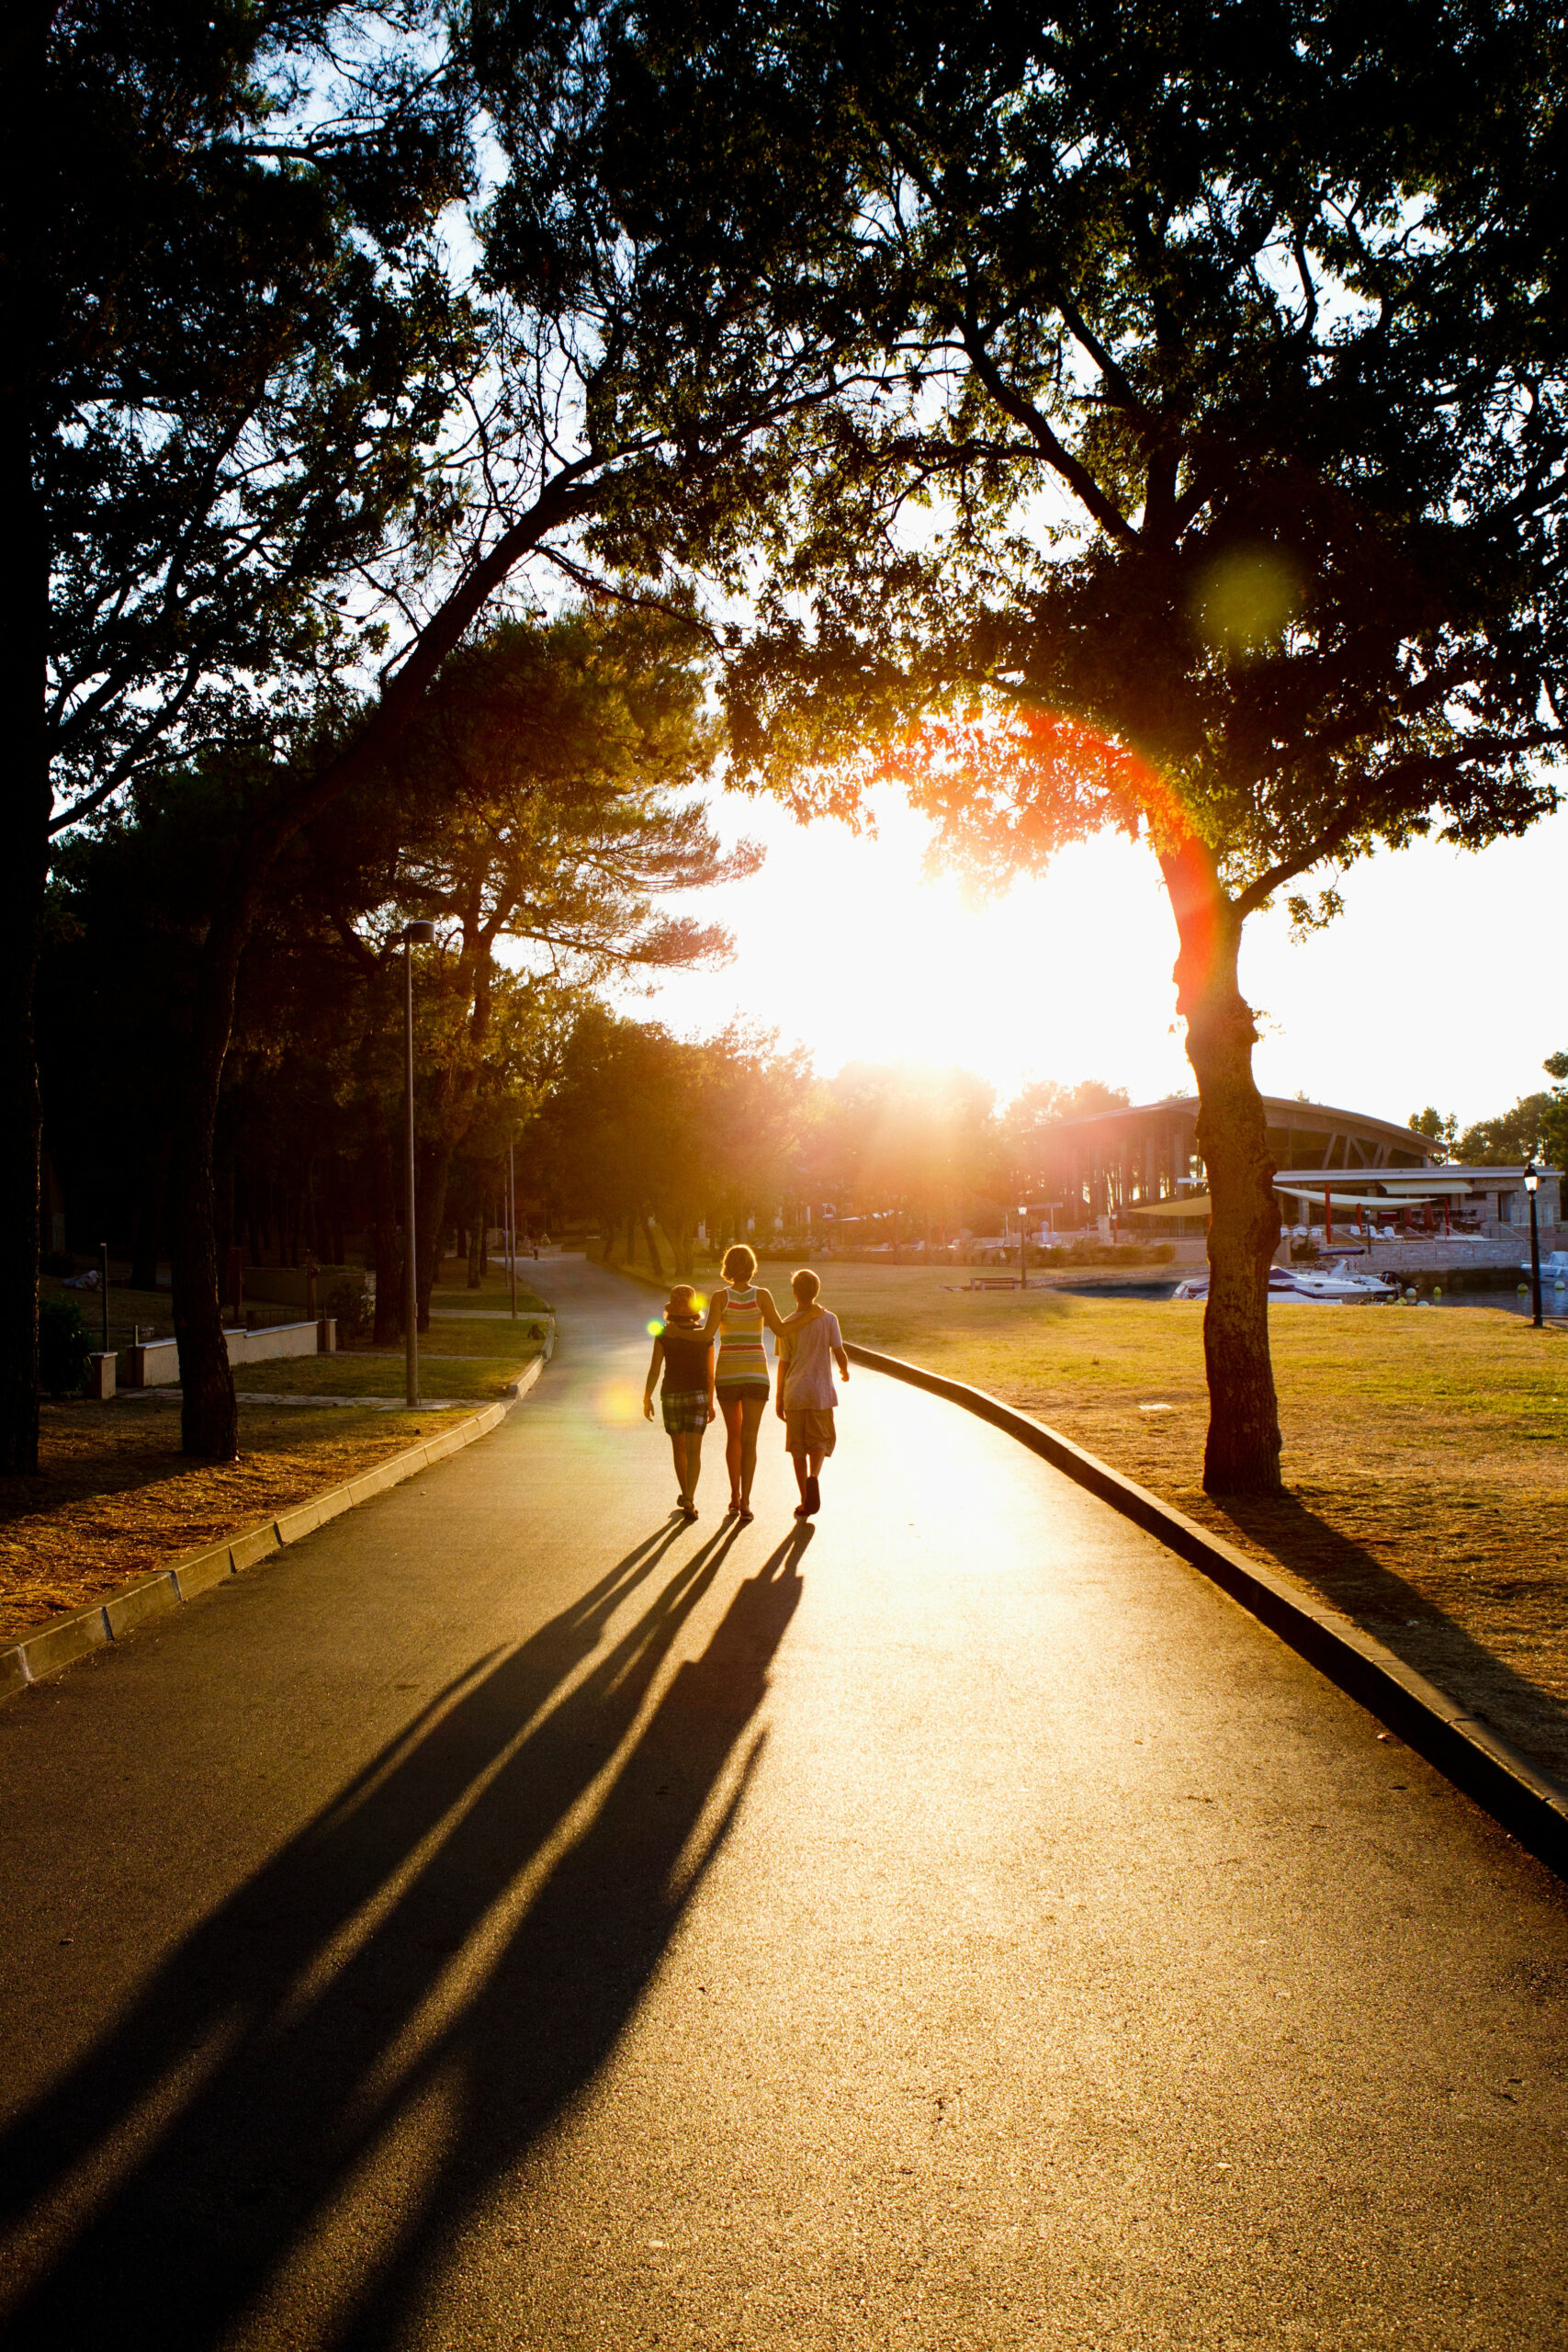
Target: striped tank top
[742, 1362]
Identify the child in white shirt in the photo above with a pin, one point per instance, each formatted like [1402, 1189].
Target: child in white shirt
[809, 1345]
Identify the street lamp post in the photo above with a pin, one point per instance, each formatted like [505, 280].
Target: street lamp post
[414, 934]
[1532, 1178]
[1024, 1245]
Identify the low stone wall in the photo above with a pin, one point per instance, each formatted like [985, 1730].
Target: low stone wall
[156, 1363]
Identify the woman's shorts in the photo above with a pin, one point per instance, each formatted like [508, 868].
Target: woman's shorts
[685, 1409]
[808, 1428]
[731, 1392]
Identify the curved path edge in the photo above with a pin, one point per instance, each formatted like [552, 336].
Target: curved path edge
[1460, 1744]
[55, 1647]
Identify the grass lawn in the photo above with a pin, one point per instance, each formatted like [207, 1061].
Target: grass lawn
[1426, 1454]
[117, 1498]
[494, 1294]
[479, 1359]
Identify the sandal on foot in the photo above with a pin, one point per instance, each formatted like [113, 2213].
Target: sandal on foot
[744, 1513]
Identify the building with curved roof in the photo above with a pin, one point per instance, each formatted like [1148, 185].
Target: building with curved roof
[1142, 1163]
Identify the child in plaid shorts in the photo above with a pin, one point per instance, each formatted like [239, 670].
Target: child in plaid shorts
[686, 1352]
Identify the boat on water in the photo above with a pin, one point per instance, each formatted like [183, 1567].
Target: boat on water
[1334, 1286]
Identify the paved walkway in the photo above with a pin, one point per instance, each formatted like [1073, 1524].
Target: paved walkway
[512, 1920]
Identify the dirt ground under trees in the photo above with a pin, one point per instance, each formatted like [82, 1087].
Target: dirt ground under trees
[117, 1499]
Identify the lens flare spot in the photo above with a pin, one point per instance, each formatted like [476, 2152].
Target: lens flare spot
[1244, 601]
[654, 1327]
[619, 1402]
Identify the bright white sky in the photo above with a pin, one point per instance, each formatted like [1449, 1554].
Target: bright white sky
[1442, 982]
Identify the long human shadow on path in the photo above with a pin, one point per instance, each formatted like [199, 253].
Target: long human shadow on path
[309, 2017]
[1406, 1620]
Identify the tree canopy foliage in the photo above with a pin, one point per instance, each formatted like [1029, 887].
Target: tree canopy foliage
[538, 815]
[1201, 468]
[1535, 1128]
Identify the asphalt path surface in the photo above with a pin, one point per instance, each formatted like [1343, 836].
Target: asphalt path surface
[513, 1918]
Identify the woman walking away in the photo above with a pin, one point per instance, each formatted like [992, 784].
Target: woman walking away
[685, 1351]
[738, 1315]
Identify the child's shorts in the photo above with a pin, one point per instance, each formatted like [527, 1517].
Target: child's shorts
[808, 1428]
[685, 1409]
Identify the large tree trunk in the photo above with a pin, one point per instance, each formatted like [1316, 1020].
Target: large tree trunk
[1242, 1456]
[386, 1233]
[210, 1420]
[24, 643]
[430, 1211]
[25, 868]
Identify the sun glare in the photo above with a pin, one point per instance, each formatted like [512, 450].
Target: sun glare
[845, 945]
[848, 945]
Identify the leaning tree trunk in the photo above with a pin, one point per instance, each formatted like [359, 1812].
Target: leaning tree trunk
[654, 1259]
[1242, 1456]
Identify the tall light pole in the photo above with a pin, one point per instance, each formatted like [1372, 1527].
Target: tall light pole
[1532, 1178]
[414, 934]
[1023, 1247]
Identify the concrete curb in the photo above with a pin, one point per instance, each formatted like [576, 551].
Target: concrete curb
[69, 1638]
[1461, 1745]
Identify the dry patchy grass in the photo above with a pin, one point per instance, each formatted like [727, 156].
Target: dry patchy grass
[1424, 1451]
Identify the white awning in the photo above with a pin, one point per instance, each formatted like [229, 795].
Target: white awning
[1430, 1187]
[1350, 1200]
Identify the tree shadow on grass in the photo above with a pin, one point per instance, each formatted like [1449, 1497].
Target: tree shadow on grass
[1404, 1618]
[456, 1929]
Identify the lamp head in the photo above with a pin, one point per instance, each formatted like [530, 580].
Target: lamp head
[417, 934]
[1532, 1176]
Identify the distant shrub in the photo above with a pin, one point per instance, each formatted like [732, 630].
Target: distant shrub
[64, 1344]
[347, 1303]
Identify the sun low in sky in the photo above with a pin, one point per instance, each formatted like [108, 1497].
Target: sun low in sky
[1441, 983]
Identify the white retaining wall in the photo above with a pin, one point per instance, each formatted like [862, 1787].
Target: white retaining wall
[156, 1363]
